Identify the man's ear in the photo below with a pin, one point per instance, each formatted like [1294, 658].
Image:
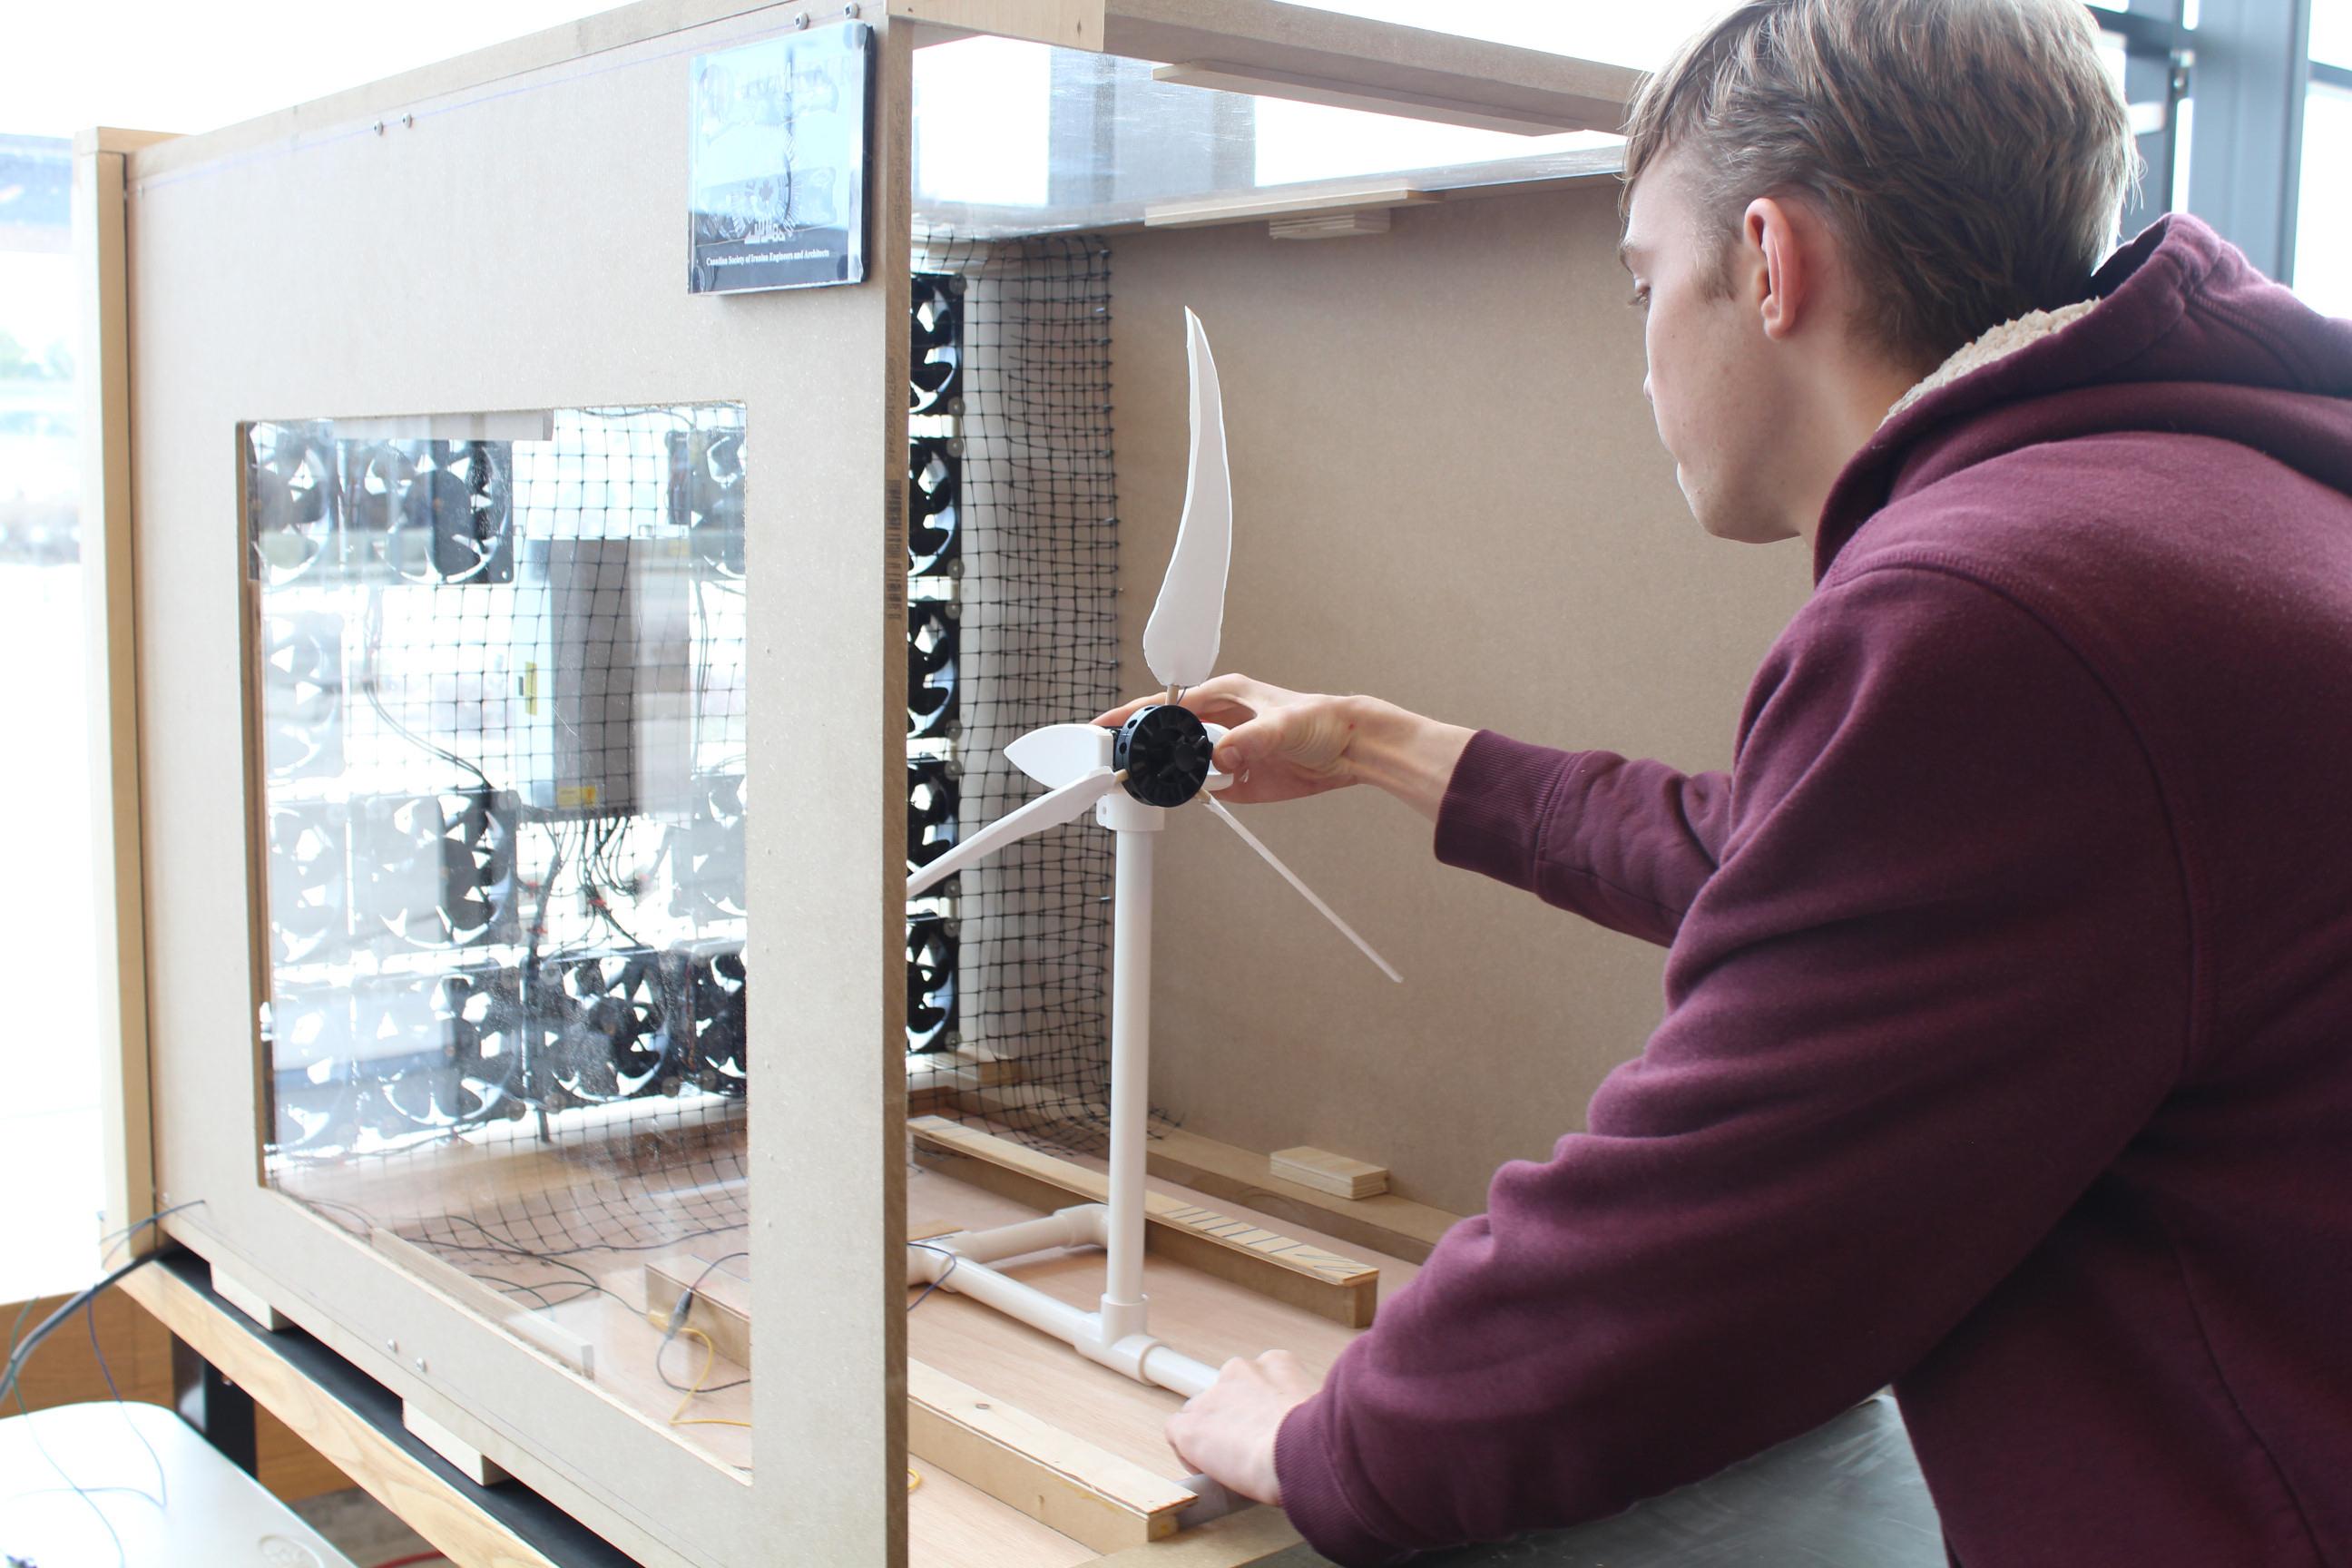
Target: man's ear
[1777, 243]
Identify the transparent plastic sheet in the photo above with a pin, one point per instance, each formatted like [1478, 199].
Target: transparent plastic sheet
[500, 688]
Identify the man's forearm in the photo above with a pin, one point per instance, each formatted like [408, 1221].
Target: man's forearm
[1410, 756]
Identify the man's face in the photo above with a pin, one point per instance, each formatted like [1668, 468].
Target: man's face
[1714, 381]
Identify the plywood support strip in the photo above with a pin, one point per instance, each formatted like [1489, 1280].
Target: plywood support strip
[1062, 1481]
[1330, 1173]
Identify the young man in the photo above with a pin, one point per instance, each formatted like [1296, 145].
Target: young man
[2008, 1050]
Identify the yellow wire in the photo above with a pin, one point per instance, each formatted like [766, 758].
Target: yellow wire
[710, 1359]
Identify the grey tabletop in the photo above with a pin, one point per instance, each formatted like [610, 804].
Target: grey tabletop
[1848, 1495]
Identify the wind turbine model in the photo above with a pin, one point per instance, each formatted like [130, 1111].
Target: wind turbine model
[1159, 760]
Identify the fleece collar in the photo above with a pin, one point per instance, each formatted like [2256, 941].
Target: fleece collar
[1996, 344]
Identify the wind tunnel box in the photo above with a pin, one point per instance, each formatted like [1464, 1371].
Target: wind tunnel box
[509, 653]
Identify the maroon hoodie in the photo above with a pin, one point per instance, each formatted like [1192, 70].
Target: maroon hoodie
[2007, 1055]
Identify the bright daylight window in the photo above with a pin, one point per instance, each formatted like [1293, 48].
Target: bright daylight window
[2322, 250]
[63, 68]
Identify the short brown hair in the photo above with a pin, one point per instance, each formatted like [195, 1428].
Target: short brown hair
[1971, 154]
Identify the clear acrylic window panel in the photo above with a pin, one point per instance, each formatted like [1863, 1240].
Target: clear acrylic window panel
[1015, 139]
[2323, 239]
[498, 667]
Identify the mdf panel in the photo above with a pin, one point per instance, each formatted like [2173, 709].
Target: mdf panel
[466, 241]
[1448, 492]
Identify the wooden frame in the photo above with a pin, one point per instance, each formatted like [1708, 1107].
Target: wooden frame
[839, 1406]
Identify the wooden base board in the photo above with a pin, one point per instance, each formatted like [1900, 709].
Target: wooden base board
[1339, 1288]
[1398, 1227]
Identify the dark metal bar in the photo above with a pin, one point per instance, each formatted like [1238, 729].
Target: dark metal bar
[214, 1405]
[2253, 66]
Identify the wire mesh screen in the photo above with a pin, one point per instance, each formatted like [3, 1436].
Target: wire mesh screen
[1012, 609]
[499, 686]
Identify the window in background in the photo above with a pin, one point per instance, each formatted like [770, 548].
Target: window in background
[62, 69]
[2323, 243]
[2323, 239]
[1306, 142]
[2331, 32]
[48, 1136]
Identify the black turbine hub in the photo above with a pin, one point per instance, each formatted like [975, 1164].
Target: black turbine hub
[1165, 753]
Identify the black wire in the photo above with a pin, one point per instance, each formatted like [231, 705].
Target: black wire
[21, 1352]
[952, 1260]
[371, 648]
[18, 1354]
[663, 1349]
[162, 1481]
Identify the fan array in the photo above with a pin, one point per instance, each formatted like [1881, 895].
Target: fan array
[480, 904]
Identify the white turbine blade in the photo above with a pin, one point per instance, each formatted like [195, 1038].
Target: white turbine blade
[1059, 753]
[1064, 804]
[1180, 641]
[1307, 892]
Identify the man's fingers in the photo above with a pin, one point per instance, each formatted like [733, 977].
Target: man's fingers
[1178, 1426]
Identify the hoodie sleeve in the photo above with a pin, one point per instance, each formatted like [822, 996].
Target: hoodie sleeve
[1625, 844]
[1941, 978]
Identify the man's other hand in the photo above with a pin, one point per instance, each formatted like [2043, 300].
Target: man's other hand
[1227, 1433]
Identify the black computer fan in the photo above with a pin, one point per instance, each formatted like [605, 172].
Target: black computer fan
[309, 882]
[306, 1034]
[435, 871]
[302, 695]
[465, 1064]
[706, 854]
[611, 1039]
[932, 794]
[290, 500]
[935, 529]
[708, 1016]
[706, 495]
[433, 512]
[935, 345]
[930, 983]
[932, 637]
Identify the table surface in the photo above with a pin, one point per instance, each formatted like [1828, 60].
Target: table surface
[1847, 1495]
[152, 1494]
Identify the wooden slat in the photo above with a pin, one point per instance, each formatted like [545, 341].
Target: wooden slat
[721, 1309]
[1338, 1288]
[1223, 76]
[1330, 1173]
[126, 1126]
[377, 1463]
[962, 1070]
[139, 1357]
[1337, 196]
[1399, 1227]
[1400, 71]
[1069, 24]
[1062, 1481]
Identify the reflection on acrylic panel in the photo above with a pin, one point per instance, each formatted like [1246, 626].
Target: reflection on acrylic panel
[499, 701]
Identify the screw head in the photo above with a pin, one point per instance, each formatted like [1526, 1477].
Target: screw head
[393, 1346]
[420, 1363]
[799, 23]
